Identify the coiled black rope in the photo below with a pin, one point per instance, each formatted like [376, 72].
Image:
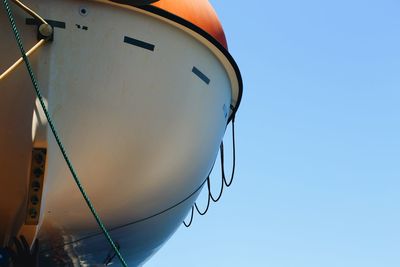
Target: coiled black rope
[224, 181]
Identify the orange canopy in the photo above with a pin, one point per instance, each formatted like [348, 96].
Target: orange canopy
[198, 12]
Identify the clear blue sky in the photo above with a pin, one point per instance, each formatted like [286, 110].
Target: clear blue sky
[318, 140]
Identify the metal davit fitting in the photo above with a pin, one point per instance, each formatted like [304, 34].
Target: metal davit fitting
[36, 181]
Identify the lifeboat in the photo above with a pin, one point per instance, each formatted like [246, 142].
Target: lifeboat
[141, 93]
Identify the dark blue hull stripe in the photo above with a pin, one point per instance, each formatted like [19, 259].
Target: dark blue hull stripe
[201, 75]
[54, 23]
[139, 43]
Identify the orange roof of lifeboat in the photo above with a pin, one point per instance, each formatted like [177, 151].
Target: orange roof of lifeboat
[198, 12]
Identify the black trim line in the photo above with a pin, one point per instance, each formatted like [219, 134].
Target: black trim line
[139, 43]
[135, 222]
[201, 75]
[210, 38]
[137, 2]
[140, 220]
[53, 23]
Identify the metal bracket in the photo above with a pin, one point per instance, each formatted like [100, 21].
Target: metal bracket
[36, 185]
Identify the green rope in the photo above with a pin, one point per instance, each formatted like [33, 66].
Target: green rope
[56, 136]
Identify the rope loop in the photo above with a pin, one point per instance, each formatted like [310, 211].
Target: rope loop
[187, 225]
[224, 182]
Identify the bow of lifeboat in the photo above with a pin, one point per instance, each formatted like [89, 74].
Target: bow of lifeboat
[141, 98]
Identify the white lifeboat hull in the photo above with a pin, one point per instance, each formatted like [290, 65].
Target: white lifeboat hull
[141, 105]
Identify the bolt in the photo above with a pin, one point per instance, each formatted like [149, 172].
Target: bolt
[39, 158]
[34, 200]
[35, 186]
[46, 30]
[33, 213]
[37, 172]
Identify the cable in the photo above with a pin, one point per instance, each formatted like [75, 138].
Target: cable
[30, 11]
[21, 60]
